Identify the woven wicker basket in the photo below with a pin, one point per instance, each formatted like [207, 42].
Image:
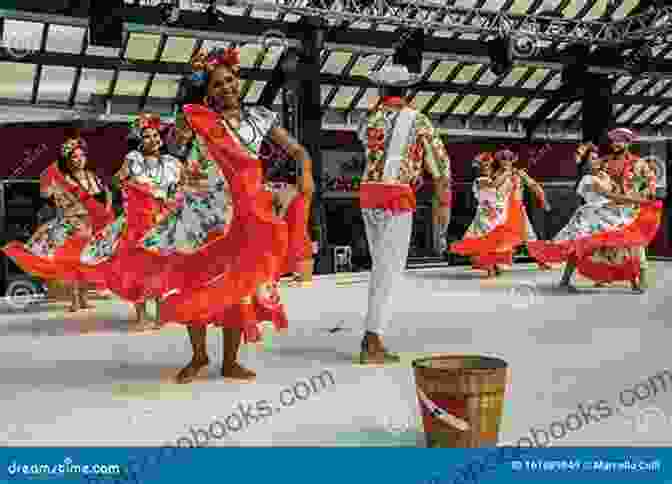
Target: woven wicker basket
[461, 399]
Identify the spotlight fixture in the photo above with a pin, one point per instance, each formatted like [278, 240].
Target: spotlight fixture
[524, 45]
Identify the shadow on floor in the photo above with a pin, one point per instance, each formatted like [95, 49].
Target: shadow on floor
[323, 355]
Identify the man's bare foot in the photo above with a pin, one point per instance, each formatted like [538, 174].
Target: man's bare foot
[238, 372]
[192, 370]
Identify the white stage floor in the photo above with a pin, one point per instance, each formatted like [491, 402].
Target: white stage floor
[86, 381]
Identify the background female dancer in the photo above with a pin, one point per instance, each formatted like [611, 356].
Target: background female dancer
[602, 237]
[292, 202]
[501, 224]
[149, 181]
[85, 205]
[227, 246]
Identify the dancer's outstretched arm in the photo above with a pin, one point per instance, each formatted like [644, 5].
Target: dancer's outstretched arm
[281, 137]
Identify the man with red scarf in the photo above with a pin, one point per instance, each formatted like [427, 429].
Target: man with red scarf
[634, 177]
[401, 145]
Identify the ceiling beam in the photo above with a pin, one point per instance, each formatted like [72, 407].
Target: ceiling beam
[175, 68]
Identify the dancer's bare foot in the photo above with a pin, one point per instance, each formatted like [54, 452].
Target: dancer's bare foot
[192, 370]
[235, 371]
[568, 286]
[637, 287]
[545, 267]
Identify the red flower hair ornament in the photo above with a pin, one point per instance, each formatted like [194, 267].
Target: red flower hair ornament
[204, 63]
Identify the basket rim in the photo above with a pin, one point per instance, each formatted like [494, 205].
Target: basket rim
[498, 363]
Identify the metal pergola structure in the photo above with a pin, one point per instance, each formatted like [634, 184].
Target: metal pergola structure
[459, 91]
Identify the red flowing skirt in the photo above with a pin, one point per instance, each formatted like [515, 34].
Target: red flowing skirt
[633, 236]
[131, 273]
[64, 265]
[212, 283]
[498, 245]
[300, 245]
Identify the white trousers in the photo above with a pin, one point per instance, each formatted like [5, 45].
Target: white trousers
[389, 238]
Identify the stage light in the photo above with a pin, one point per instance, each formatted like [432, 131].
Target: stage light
[524, 45]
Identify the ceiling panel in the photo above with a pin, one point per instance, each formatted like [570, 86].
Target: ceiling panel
[494, 5]
[661, 117]
[571, 111]
[365, 64]
[520, 6]
[165, 86]
[642, 118]
[466, 104]
[625, 8]
[511, 106]
[554, 83]
[532, 108]
[178, 49]
[325, 92]
[272, 57]
[660, 85]
[55, 83]
[599, 8]
[628, 113]
[421, 99]
[621, 82]
[63, 38]
[21, 34]
[637, 87]
[255, 91]
[489, 105]
[514, 76]
[131, 83]
[16, 80]
[142, 46]
[442, 71]
[100, 81]
[249, 54]
[368, 98]
[336, 62]
[536, 78]
[574, 7]
[426, 64]
[344, 97]
[443, 103]
[467, 73]
[263, 14]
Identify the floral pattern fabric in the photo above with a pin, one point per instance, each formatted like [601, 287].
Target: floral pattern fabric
[424, 149]
[206, 213]
[160, 177]
[632, 176]
[51, 236]
[595, 216]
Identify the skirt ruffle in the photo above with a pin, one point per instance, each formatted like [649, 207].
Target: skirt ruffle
[635, 235]
[64, 265]
[498, 245]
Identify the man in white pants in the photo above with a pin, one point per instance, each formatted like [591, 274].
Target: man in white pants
[401, 145]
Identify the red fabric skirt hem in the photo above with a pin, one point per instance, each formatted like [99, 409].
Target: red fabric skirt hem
[63, 266]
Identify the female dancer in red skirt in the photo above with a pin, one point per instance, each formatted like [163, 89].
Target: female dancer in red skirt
[603, 239]
[501, 223]
[149, 181]
[85, 205]
[227, 248]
